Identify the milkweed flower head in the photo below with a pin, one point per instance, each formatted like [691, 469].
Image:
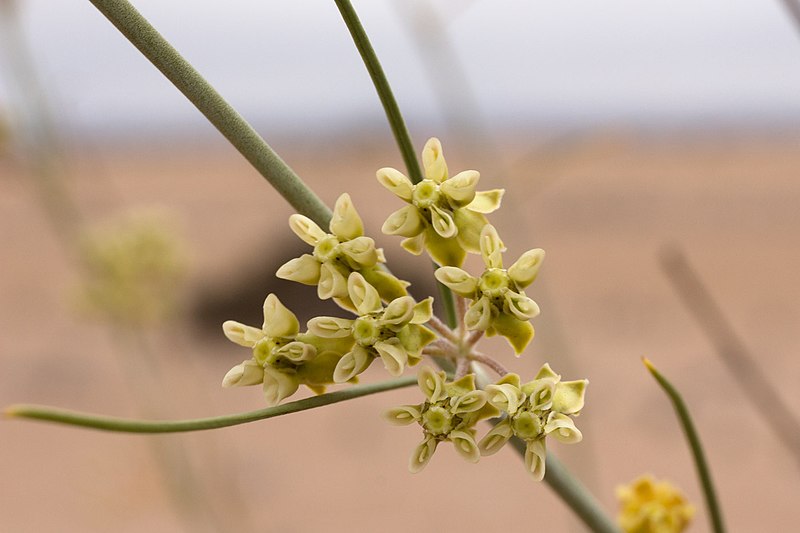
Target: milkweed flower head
[499, 304]
[449, 413]
[134, 266]
[393, 333]
[650, 506]
[444, 214]
[534, 411]
[282, 357]
[336, 254]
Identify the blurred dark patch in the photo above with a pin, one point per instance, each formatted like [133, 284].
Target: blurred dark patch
[241, 297]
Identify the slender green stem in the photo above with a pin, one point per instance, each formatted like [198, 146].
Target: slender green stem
[388, 101]
[573, 493]
[209, 102]
[703, 472]
[107, 423]
[395, 118]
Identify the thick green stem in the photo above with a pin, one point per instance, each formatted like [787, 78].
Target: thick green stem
[573, 493]
[703, 472]
[107, 423]
[209, 102]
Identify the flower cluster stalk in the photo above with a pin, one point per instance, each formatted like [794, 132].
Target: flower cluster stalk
[127, 425]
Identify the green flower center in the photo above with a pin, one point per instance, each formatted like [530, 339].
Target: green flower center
[437, 420]
[366, 331]
[527, 425]
[494, 282]
[327, 249]
[426, 194]
[263, 349]
[265, 354]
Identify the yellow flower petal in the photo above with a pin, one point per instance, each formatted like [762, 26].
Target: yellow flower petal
[278, 386]
[535, 457]
[332, 281]
[422, 454]
[465, 445]
[303, 269]
[431, 384]
[525, 269]
[245, 373]
[396, 182]
[443, 223]
[345, 222]
[460, 189]
[491, 247]
[352, 364]
[364, 296]
[278, 320]
[486, 201]
[306, 229]
[496, 438]
[393, 355]
[433, 161]
[458, 280]
[406, 222]
[403, 415]
[241, 334]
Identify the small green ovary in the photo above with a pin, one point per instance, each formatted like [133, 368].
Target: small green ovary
[494, 282]
[437, 420]
[527, 425]
[327, 249]
[426, 193]
[366, 331]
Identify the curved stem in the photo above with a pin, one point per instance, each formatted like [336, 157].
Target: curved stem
[703, 472]
[488, 361]
[209, 102]
[108, 423]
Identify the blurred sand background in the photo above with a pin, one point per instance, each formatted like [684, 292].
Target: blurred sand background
[603, 197]
[602, 207]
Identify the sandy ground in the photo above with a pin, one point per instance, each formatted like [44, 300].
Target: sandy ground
[603, 206]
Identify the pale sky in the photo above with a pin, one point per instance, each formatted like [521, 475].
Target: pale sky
[531, 64]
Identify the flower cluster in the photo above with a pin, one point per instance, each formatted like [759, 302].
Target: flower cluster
[650, 506]
[337, 254]
[499, 304]
[133, 267]
[449, 413]
[534, 411]
[392, 333]
[445, 214]
[283, 358]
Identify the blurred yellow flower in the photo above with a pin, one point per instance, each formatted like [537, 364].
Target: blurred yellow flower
[650, 506]
[133, 266]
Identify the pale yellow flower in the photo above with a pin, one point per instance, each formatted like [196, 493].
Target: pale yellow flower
[393, 333]
[336, 254]
[449, 413]
[534, 411]
[499, 303]
[445, 214]
[650, 506]
[282, 357]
